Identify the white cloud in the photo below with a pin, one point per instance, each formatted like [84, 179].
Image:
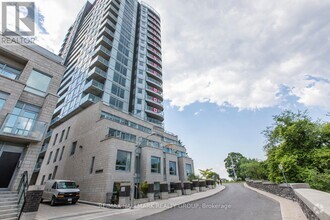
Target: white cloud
[240, 53]
[232, 53]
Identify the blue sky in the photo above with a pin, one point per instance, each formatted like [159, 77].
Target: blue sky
[229, 66]
[210, 132]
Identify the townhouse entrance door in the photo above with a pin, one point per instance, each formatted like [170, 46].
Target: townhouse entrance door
[9, 158]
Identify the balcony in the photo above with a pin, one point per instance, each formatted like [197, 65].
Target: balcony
[116, 5]
[154, 58]
[154, 74]
[153, 26]
[155, 113]
[110, 15]
[97, 74]
[104, 41]
[152, 32]
[153, 16]
[88, 100]
[153, 29]
[153, 44]
[48, 135]
[21, 129]
[106, 30]
[154, 51]
[103, 52]
[100, 62]
[156, 39]
[154, 82]
[43, 149]
[94, 87]
[154, 102]
[38, 166]
[154, 21]
[154, 65]
[154, 91]
[155, 121]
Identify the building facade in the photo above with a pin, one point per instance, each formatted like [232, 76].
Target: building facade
[113, 54]
[107, 127]
[102, 147]
[29, 79]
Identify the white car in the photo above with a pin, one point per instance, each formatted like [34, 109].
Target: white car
[61, 191]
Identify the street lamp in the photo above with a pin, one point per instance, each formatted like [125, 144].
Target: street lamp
[134, 168]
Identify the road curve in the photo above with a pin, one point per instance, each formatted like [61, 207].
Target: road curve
[234, 203]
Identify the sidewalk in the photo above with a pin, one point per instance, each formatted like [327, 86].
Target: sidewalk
[289, 210]
[145, 209]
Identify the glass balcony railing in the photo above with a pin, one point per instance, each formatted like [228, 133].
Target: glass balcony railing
[100, 62]
[154, 65]
[97, 74]
[22, 127]
[154, 81]
[155, 110]
[154, 45]
[155, 90]
[89, 99]
[154, 51]
[154, 99]
[154, 58]
[38, 166]
[94, 87]
[155, 121]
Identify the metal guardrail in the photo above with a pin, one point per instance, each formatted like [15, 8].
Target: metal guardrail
[21, 192]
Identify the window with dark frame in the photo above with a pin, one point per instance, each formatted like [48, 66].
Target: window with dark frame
[49, 157]
[55, 139]
[155, 164]
[92, 166]
[62, 153]
[172, 167]
[73, 148]
[62, 135]
[67, 133]
[56, 154]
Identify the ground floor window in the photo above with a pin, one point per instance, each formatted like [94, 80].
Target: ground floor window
[123, 161]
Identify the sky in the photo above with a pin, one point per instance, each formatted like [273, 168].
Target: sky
[228, 67]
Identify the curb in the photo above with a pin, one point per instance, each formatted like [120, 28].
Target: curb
[140, 213]
[184, 203]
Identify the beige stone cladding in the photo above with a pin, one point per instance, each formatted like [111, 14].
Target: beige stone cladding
[146, 174]
[182, 167]
[171, 157]
[27, 58]
[90, 132]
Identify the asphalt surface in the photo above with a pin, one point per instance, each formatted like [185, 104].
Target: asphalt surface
[234, 203]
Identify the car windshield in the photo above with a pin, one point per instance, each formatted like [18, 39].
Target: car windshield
[66, 185]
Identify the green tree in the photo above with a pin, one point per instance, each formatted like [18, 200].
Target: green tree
[238, 159]
[210, 174]
[302, 146]
[253, 169]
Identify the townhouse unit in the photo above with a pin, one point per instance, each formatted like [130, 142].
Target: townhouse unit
[29, 79]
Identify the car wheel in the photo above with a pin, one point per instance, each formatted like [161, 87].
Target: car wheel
[74, 202]
[53, 202]
[41, 200]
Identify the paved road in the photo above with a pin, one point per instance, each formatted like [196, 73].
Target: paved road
[234, 203]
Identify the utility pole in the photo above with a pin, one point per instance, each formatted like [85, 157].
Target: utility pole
[233, 167]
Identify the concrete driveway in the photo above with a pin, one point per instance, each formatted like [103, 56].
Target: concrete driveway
[65, 211]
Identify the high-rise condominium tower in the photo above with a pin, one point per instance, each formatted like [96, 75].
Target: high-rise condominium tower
[113, 54]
